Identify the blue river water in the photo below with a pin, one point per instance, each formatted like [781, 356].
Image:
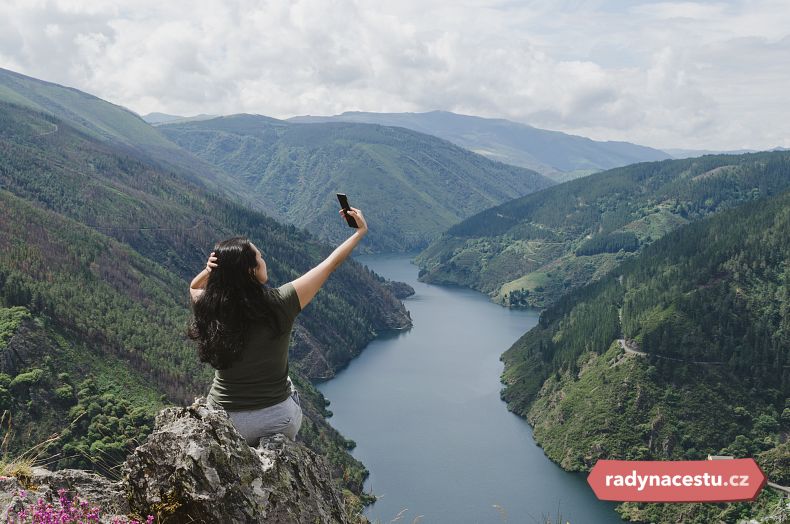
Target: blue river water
[423, 407]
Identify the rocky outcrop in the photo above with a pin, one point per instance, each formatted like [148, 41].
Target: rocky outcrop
[195, 467]
[20, 493]
[199, 467]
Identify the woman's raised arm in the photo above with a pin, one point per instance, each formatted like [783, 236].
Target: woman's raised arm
[308, 284]
[198, 283]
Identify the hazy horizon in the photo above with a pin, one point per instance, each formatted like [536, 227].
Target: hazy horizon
[668, 150]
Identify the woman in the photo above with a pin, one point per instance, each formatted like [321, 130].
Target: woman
[243, 329]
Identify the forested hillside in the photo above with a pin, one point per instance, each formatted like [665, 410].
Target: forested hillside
[681, 352]
[97, 247]
[110, 123]
[557, 155]
[411, 186]
[532, 250]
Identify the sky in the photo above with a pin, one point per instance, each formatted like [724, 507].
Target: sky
[702, 75]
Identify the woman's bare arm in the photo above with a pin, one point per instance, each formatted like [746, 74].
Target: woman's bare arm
[308, 284]
[198, 283]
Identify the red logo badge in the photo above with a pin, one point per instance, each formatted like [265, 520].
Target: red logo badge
[677, 481]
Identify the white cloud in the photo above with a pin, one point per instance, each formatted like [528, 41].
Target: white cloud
[668, 74]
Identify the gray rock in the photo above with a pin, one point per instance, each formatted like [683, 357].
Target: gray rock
[195, 467]
[45, 484]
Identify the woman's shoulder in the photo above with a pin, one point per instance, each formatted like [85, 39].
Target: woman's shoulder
[289, 299]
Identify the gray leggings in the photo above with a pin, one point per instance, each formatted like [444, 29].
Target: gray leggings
[285, 417]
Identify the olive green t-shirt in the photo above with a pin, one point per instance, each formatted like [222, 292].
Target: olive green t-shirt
[259, 378]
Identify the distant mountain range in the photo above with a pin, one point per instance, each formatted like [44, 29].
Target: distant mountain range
[164, 118]
[558, 155]
[693, 153]
[555, 154]
[411, 186]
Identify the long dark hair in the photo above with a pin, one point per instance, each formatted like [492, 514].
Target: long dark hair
[232, 300]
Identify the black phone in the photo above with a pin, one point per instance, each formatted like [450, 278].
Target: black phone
[344, 204]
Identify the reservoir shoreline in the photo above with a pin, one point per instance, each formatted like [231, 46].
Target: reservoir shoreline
[423, 406]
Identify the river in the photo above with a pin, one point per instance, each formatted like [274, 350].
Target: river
[423, 407]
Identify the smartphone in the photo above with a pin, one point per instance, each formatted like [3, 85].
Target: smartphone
[344, 204]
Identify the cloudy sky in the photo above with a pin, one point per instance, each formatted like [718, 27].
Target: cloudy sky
[666, 74]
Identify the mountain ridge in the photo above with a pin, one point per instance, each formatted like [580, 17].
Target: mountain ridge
[531, 250]
[156, 118]
[559, 155]
[114, 124]
[295, 169]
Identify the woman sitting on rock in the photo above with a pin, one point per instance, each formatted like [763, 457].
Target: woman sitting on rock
[243, 329]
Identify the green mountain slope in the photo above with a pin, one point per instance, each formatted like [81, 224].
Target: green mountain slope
[166, 218]
[705, 316]
[557, 155]
[411, 186]
[48, 377]
[87, 113]
[531, 250]
[98, 246]
[112, 124]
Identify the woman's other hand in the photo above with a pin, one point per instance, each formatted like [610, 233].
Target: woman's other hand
[212, 262]
[359, 217]
[198, 283]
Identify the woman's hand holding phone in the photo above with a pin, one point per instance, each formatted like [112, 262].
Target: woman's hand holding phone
[362, 225]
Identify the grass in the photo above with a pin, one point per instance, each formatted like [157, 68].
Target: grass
[20, 465]
[530, 281]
